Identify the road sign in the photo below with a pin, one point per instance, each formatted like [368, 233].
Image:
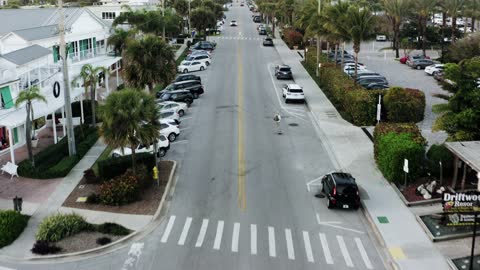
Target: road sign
[193, 34]
[405, 165]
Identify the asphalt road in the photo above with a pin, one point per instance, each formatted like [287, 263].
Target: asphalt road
[241, 199]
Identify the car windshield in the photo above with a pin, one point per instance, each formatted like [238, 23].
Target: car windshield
[190, 58]
[187, 63]
[285, 69]
[346, 189]
[166, 96]
[294, 90]
[169, 87]
[166, 114]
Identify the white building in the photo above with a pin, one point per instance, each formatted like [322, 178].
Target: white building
[108, 10]
[29, 55]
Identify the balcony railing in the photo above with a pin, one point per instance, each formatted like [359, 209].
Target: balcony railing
[86, 54]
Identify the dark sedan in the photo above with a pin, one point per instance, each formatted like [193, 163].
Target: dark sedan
[268, 42]
[283, 72]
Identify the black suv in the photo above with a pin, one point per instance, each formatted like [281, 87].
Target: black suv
[195, 87]
[283, 72]
[178, 96]
[188, 77]
[204, 45]
[341, 190]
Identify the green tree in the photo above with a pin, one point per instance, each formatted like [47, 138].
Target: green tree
[130, 117]
[181, 7]
[460, 117]
[28, 96]
[453, 8]
[423, 10]
[202, 19]
[465, 48]
[148, 61]
[396, 11]
[118, 40]
[90, 76]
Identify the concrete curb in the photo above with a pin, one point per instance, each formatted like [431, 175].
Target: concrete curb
[416, 203]
[440, 238]
[115, 245]
[451, 264]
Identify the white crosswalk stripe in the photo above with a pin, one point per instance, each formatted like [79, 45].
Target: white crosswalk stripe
[198, 231]
[343, 249]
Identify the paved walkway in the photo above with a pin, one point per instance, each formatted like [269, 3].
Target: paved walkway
[352, 151]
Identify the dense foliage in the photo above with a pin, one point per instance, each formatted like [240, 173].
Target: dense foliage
[112, 167]
[121, 190]
[12, 225]
[59, 226]
[404, 105]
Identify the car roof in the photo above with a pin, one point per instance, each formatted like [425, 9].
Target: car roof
[283, 66]
[178, 91]
[342, 178]
[294, 86]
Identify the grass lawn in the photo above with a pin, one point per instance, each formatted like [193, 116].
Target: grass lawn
[105, 154]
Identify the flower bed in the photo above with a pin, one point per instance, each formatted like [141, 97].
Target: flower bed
[434, 225]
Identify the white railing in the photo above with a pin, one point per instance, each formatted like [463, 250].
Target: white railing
[86, 54]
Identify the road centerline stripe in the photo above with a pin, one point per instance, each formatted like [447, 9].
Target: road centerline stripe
[363, 252]
[201, 234]
[272, 251]
[326, 249]
[308, 247]
[253, 239]
[218, 235]
[168, 229]
[242, 201]
[343, 249]
[186, 228]
[235, 236]
[290, 250]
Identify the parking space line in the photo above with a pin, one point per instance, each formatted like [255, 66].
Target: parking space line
[326, 249]
[253, 239]
[168, 229]
[365, 258]
[290, 250]
[236, 232]
[218, 236]
[343, 249]
[201, 234]
[308, 246]
[186, 228]
[272, 251]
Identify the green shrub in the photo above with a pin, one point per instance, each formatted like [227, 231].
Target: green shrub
[383, 128]
[56, 227]
[392, 150]
[112, 228]
[112, 167]
[404, 105]
[12, 225]
[437, 153]
[44, 248]
[121, 190]
[292, 37]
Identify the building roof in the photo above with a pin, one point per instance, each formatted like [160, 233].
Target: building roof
[469, 152]
[26, 55]
[37, 33]
[15, 19]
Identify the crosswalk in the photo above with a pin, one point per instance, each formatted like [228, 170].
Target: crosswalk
[238, 38]
[281, 242]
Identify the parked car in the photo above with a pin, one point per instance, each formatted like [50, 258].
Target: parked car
[204, 59]
[349, 69]
[439, 75]
[381, 38]
[178, 96]
[341, 190]
[257, 19]
[367, 81]
[407, 58]
[377, 86]
[202, 46]
[189, 66]
[169, 131]
[283, 72]
[430, 70]
[199, 52]
[262, 31]
[364, 73]
[188, 77]
[268, 42]
[293, 92]
[420, 63]
[170, 116]
[195, 87]
[170, 106]
[233, 23]
[163, 145]
[170, 122]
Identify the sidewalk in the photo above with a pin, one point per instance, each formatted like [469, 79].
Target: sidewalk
[352, 151]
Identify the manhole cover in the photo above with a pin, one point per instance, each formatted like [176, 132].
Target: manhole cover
[293, 124]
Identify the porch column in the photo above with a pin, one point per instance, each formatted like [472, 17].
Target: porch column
[10, 140]
[464, 176]
[107, 77]
[64, 120]
[28, 79]
[81, 109]
[116, 73]
[455, 171]
[54, 125]
[39, 77]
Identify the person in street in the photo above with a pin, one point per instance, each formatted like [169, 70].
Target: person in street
[277, 118]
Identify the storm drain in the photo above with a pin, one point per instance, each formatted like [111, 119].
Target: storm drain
[293, 124]
[331, 114]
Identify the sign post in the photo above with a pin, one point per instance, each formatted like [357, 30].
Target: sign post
[405, 169]
[473, 240]
[379, 108]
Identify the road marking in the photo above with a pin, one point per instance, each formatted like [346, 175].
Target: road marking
[236, 232]
[290, 251]
[397, 253]
[242, 200]
[326, 249]
[186, 228]
[201, 234]
[308, 246]
[312, 183]
[179, 142]
[253, 239]
[133, 255]
[168, 229]
[343, 249]
[272, 251]
[5, 268]
[365, 258]
[329, 224]
[218, 236]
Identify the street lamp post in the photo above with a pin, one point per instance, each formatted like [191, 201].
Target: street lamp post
[163, 17]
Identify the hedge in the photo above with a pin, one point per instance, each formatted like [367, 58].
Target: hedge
[404, 105]
[393, 143]
[54, 161]
[59, 226]
[115, 166]
[437, 153]
[12, 225]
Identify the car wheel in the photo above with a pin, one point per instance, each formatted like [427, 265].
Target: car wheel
[286, 101]
[181, 113]
[329, 204]
[323, 187]
[172, 137]
[185, 71]
[419, 67]
[162, 152]
[207, 63]
[202, 68]
[189, 102]
[195, 95]
[355, 207]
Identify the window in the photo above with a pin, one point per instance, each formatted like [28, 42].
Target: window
[162, 126]
[101, 43]
[108, 15]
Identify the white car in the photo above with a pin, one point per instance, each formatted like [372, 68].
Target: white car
[163, 146]
[169, 106]
[292, 92]
[200, 52]
[233, 23]
[430, 70]
[203, 58]
[189, 66]
[171, 116]
[351, 69]
[169, 131]
[381, 38]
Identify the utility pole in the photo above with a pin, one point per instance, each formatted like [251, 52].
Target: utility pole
[319, 45]
[66, 81]
[163, 16]
[189, 16]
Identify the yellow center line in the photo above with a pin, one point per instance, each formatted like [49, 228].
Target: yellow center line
[242, 201]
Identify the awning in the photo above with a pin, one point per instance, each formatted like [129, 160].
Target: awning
[468, 151]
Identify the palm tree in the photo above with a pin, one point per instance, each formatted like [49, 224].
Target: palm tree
[396, 11]
[148, 61]
[201, 19]
[130, 117]
[453, 8]
[334, 15]
[118, 40]
[423, 9]
[269, 8]
[28, 96]
[89, 76]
